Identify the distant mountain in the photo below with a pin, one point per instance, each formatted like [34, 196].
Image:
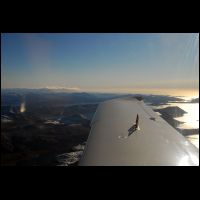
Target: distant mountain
[49, 97]
[44, 97]
[157, 100]
[40, 90]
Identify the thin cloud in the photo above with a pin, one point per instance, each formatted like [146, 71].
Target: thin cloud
[62, 88]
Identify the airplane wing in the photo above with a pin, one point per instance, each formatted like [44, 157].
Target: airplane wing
[126, 132]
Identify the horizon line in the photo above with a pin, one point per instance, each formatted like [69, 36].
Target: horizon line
[145, 91]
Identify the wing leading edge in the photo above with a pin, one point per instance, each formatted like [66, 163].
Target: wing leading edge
[153, 142]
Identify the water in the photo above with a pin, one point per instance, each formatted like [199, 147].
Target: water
[190, 119]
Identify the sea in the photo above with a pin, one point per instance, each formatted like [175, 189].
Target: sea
[190, 119]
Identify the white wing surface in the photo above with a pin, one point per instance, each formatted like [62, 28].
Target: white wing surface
[116, 140]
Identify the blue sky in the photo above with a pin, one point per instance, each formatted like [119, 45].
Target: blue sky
[100, 61]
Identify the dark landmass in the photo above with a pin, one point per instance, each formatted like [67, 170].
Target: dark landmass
[50, 97]
[30, 141]
[158, 100]
[169, 113]
[55, 125]
[170, 120]
[52, 124]
[174, 111]
[38, 136]
[187, 132]
[45, 97]
[195, 100]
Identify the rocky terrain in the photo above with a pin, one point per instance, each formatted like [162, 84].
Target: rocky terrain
[52, 128]
[32, 142]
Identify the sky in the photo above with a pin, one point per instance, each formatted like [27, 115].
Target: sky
[101, 62]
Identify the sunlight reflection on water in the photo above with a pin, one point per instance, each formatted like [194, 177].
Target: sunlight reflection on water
[190, 119]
